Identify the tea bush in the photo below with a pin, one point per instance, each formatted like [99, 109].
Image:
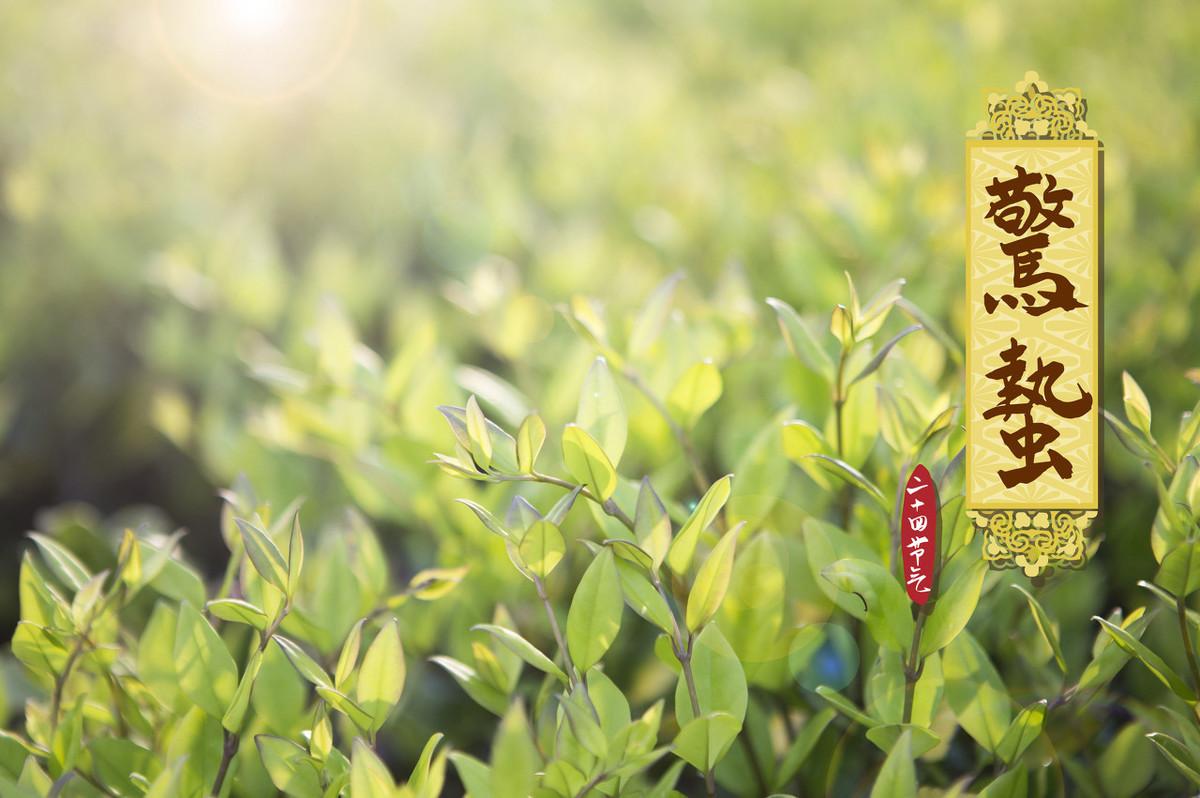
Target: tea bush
[770, 648]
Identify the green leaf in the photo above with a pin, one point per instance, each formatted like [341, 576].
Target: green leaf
[531, 436]
[478, 434]
[1180, 569]
[712, 581]
[801, 340]
[587, 463]
[1045, 627]
[65, 565]
[479, 690]
[236, 713]
[514, 758]
[207, 673]
[762, 473]
[883, 604]
[423, 782]
[696, 391]
[1178, 755]
[523, 649]
[1128, 763]
[642, 597]
[487, 518]
[381, 677]
[851, 476]
[651, 524]
[348, 656]
[703, 741]
[806, 740]
[1137, 406]
[595, 615]
[1025, 728]
[953, 608]
[975, 692]
[305, 665]
[156, 654]
[679, 556]
[238, 611]
[1012, 784]
[542, 548]
[877, 361]
[264, 554]
[369, 777]
[295, 561]
[475, 776]
[346, 705]
[720, 679]
[886, 735]
[601, 413]
[1156, 665]
[114, 759]
[845, 706]
[287, 766]
[898, 777]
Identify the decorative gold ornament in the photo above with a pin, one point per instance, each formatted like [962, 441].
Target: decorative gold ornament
[1035, 111]
[1033, 541]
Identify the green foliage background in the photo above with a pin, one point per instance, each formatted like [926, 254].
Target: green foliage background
[193, 289]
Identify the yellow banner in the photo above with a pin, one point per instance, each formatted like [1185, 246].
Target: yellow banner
[1033, 242]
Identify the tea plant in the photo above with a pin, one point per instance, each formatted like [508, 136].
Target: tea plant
[153, 690]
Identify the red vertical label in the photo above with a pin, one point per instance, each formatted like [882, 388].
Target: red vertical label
[918, 534]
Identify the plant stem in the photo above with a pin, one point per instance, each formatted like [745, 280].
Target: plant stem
[228, 752]
[914, 666]
[685, 661]
[1185, 633]
[608, 505]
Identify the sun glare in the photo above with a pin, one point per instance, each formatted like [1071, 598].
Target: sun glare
[255, 50]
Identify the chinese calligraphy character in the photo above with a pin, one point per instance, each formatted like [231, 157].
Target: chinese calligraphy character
[1019, 395]
[1018, 212]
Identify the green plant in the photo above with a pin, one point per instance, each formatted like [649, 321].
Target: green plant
[153, 689]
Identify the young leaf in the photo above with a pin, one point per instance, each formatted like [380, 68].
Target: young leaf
[65, 565]
[1156, 665]
[478, 434]
[679, 556]
[651, 524]
[369, 777]
[530, 438]
[882, 354]
[487, 518]
[514, 758]
[883, 604]
[1024, 730]
[207, 673]
[601, 413]
[1137, 406]
[719, 677]
[851, 476]
[287, 765]
[800, 339]
[1180, 569]
[953, 608]
[641, 596]
[696, 391]
[381, 677]
[898, 777]
[346, 705]
[595, 614]
[587, 463]
[712, 581]
[975, 692]
[236, 713]
[1042, 620]
[305, 665]
[479, 690]
[295, 560]
[348, 657]
[238, 611]
[523, 649]
[542, 548]
[703, 741]
[264, 554]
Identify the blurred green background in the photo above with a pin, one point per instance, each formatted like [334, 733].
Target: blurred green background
[213, 218]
